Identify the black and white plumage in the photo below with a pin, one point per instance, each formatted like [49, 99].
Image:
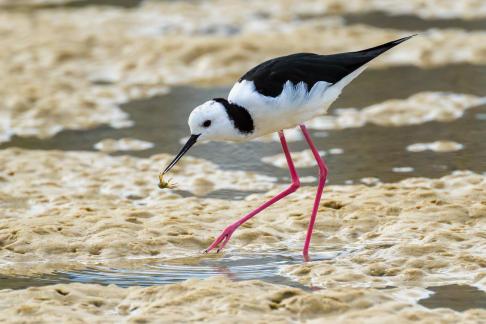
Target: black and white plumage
[280, 93]
[277, 94]
[269, 77]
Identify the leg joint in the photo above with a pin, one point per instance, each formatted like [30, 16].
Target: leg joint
[294, 185]
[323, 171]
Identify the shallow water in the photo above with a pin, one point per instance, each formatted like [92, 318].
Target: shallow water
[457, 297]
[236, 266]
[369, 151]
[382, 20]
[76, 4]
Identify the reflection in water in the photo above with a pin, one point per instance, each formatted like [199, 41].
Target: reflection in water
[369, 153]
[234, 266]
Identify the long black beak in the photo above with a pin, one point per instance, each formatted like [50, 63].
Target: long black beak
[190, 142]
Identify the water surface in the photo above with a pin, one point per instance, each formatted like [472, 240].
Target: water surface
[457, 297]
[369, 151]
[235, 266]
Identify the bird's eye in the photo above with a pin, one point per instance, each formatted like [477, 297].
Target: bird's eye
[207, 123]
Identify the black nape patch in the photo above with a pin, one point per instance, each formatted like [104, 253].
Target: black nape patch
[240, 117]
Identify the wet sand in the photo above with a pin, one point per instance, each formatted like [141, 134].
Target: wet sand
[65, 210]
[467, 10]
[457, 297]
[157, 122]
[122, 144]
[196, 300]
[401, 225]
[437, 146]
[417, 109]
[143, 50]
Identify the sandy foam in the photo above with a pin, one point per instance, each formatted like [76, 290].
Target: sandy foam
[217, 300]
[437, 146]
[73, 209]
[122, 144]
[65, 210]
[466, 9]
[419, 108]
[142, 51]
[416, 232]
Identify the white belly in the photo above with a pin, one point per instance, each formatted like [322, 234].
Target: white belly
[292, 107]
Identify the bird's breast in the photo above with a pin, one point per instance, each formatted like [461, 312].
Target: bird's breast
[295, 105]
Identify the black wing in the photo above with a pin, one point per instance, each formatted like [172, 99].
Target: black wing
[270, 76]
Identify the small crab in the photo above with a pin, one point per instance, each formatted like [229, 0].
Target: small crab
[165, 184]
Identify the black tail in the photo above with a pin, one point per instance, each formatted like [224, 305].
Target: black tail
[377, 50]
[351, 61]
[270, 76]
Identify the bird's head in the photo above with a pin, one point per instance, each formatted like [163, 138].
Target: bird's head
[209, 121]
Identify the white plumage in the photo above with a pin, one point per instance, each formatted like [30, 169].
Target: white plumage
[275, 95]
[293, 106]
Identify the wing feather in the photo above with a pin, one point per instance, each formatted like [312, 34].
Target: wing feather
[269, 77]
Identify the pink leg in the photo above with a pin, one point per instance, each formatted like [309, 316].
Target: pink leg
[228, 231]
[322, 181]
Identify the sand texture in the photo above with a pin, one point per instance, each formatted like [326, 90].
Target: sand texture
[219, 300]
[417, 231]
[419, 108]
[377, 247]
[63, 210]
[81, 207]
[122, 144]
[437, 146]
[465, 9]
[106, 56]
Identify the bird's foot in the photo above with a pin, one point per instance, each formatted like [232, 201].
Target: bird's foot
[221, 241]
[306, 256]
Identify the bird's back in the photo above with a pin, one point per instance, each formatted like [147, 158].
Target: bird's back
[269, 77]
[289, 90]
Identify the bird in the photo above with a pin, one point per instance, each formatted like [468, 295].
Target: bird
[279, 94]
